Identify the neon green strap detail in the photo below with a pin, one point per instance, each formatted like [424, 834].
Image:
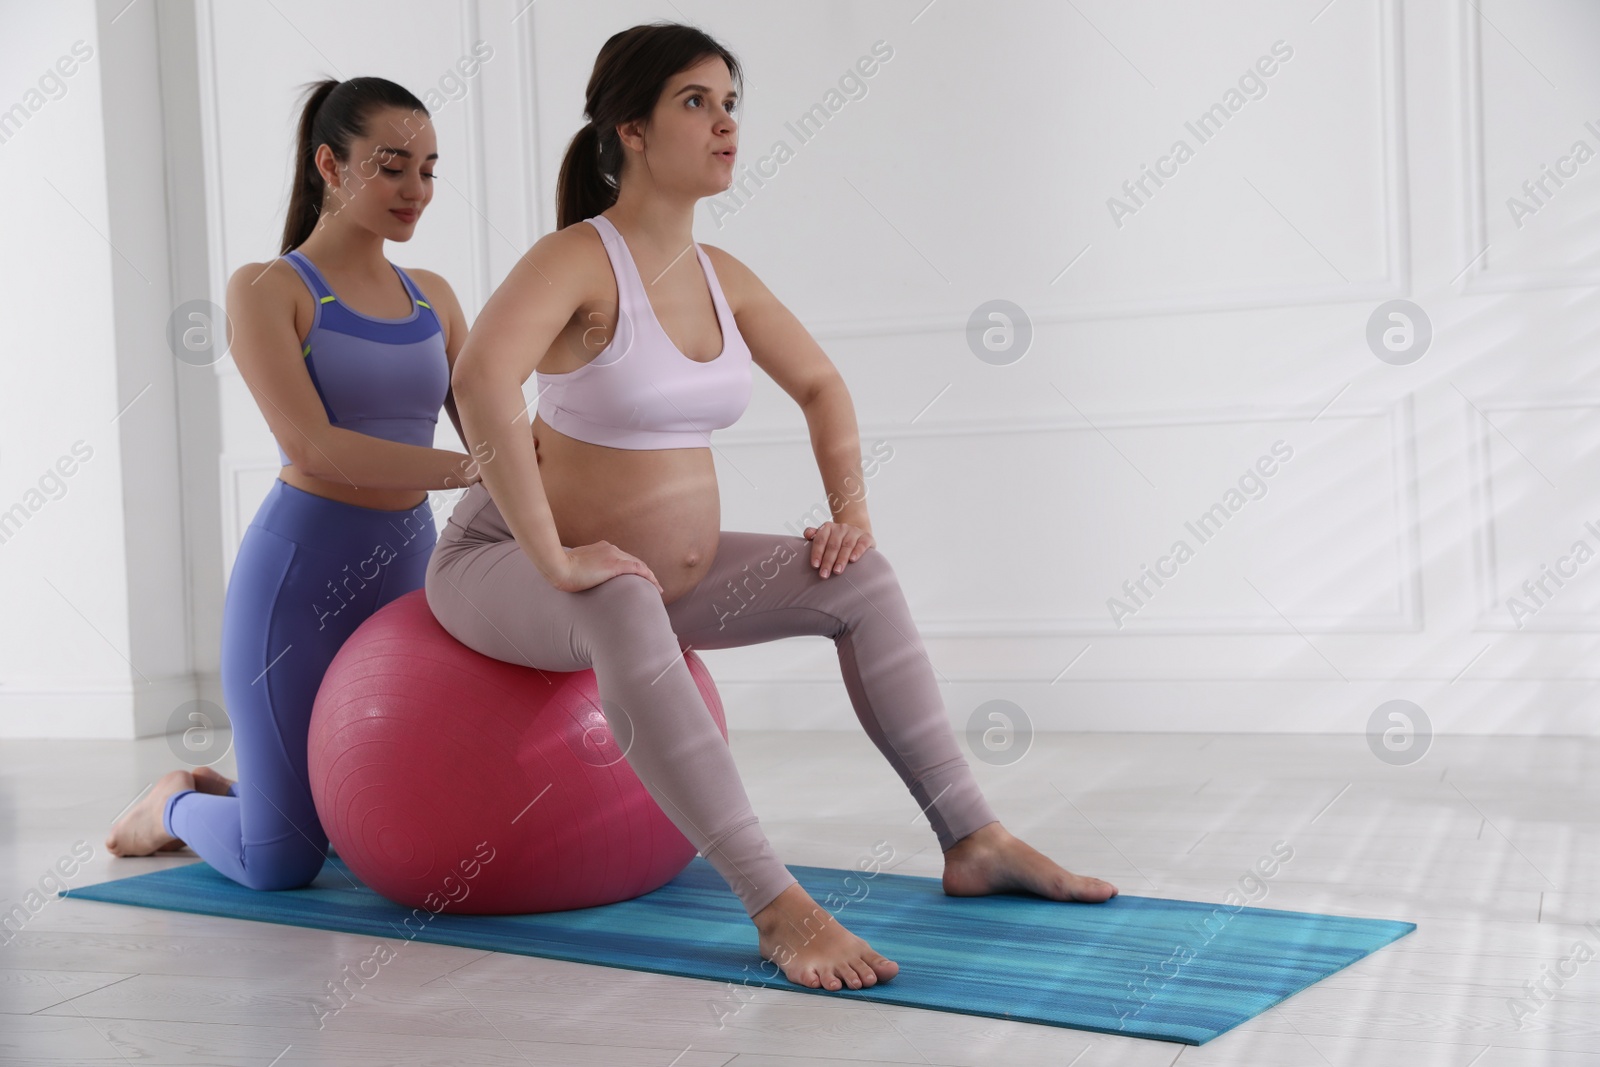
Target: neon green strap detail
[328, 298]
[425, 304]
[307, 351]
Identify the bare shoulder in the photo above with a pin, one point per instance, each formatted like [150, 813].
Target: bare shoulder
[269, 315]
[275, 275]
[739, 283]
[579, 244]
[434, 287]
[270, 286]
[572, 259]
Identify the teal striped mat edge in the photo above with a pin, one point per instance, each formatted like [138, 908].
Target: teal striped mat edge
[982, 956]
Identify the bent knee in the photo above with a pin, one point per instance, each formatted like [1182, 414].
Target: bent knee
[872, 564]
[626, 611]
[626, 589]
[275, 867]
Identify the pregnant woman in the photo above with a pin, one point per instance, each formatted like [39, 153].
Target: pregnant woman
[643, 342]
[349, 361]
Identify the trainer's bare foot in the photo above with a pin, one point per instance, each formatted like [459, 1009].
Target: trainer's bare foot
[140, 832]
[813, 948]
[206, 780]
[991, 860]
[209, 781]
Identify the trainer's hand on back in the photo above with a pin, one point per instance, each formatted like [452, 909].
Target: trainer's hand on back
[589, 565]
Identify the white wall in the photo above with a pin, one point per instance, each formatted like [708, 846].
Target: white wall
[91, 564]
[1171, 348]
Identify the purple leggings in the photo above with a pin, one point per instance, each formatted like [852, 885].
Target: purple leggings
[760, 587]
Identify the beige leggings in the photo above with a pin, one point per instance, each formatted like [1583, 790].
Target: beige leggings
[486, 592]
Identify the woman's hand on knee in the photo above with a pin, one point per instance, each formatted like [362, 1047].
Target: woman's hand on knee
[834, 544]
[589, 565]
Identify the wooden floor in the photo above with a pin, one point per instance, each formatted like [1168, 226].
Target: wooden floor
[1490, 845]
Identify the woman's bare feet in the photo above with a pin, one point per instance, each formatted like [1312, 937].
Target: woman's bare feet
[140, 832]
[209, 781]
[813, 948]
[991, 860]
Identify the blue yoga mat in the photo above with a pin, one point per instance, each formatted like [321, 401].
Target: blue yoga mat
[1175, 970]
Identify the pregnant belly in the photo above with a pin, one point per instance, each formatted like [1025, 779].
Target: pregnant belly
[660, 505]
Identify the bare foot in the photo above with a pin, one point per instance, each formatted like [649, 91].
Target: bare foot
[206, 780]
[991, 860]
[140, 832]
[813, 948]
[209, 781]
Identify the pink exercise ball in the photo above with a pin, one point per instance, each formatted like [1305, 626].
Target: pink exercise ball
[452, 781]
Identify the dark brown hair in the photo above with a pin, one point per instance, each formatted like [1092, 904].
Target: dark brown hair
[335, 113]
[629, 76]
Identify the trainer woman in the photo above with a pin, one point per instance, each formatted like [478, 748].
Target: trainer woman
[349, 360]
[643, 342]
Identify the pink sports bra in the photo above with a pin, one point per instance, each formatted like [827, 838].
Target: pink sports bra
[640, 391]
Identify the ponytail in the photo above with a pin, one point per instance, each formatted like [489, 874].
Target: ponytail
[305, 194]
[588, 181]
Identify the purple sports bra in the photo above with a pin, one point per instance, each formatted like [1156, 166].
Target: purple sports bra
[382, 377]
[640, 391]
